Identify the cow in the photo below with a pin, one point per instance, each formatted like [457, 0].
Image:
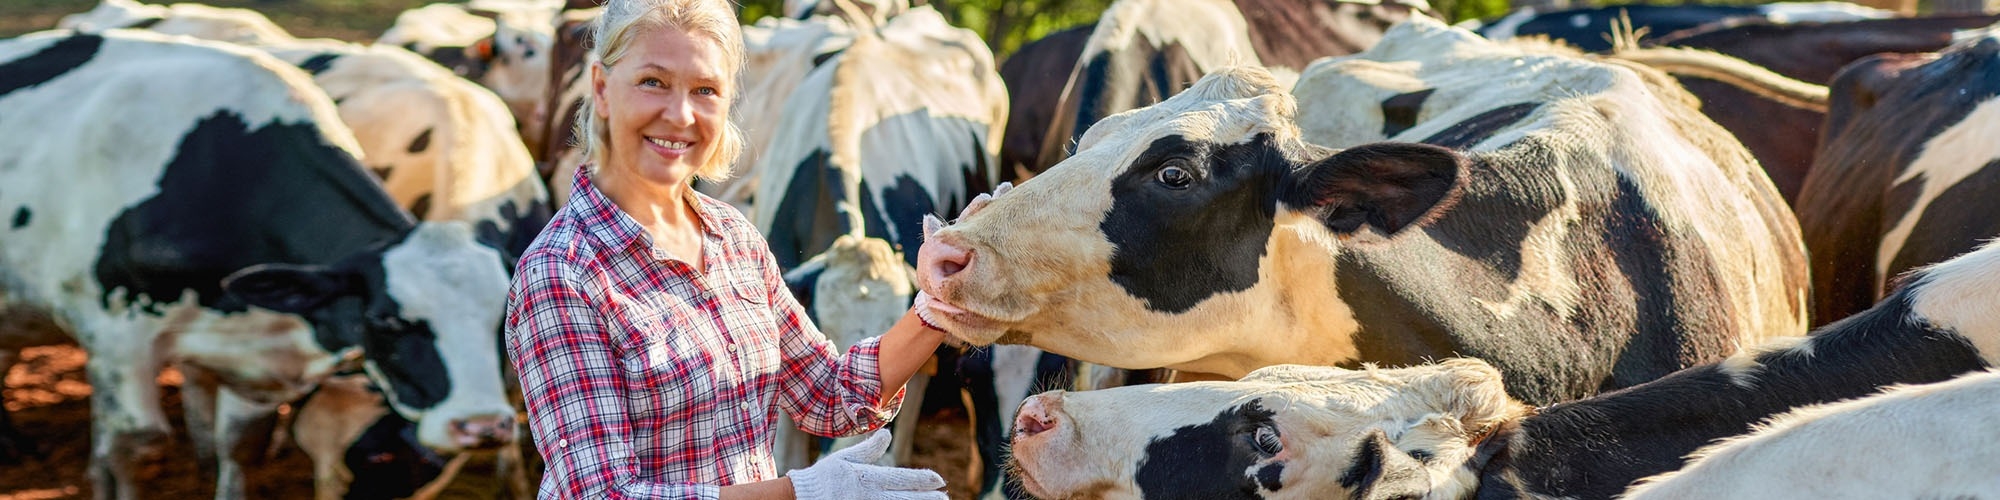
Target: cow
[231, 231]
[561, 152]
[1032, 74]
[1783, 136]
[779, 54]
[1903, 166]
[507, 51]
[445, 148]
[1915, 441]
[1449, 430]
[856, 289]
[360, 449]
[201, 21]
[1592, 28]
[1579, 224]
[1144, 51]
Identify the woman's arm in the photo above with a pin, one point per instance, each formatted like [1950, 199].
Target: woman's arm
[842, 394]
[574, 390]
[905, 347]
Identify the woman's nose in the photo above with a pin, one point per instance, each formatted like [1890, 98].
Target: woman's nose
[679, 111]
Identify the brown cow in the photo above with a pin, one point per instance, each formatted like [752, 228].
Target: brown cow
[1781, 136]
[1907, 163]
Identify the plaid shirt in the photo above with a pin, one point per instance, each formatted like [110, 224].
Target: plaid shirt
[645, 378]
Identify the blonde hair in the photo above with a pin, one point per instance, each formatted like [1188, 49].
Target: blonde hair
[622, 21]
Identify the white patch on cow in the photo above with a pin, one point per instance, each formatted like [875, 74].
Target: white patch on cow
[1820, 12]
[1959, 294]
[436, 25]
[1912, 441]
[1097, 440]
[1506, 27]
[1743, 367]
[1947, 159]
[243, 26]
[439, 275]
[778, 56]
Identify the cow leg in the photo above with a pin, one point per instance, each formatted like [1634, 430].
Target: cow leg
[242, 428]
[512, 468]
[129, 432]
[198, 413]
[906, 421]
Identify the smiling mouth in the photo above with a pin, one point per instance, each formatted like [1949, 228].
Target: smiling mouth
[674, 145]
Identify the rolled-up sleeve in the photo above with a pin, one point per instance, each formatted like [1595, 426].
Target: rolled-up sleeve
[573, 387]
[827, 394]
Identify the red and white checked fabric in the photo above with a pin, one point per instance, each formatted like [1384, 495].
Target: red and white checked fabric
[647, 379]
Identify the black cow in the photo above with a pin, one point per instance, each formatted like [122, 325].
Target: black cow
[1035, 74]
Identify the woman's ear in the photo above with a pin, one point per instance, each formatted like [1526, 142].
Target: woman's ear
[597, 77]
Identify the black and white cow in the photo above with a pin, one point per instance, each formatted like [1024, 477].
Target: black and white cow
[199, 203]
[1904, 166]
[900, 124]
[1575, 221]
[1916, 441]
[856, 289]
[1593, 28]
[1449, 430]
[1035, 74]
[243, 26]
[444, 148]
[507, 50]
[1144, 51]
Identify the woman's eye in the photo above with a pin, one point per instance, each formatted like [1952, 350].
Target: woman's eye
[1176, 177]
[706, 91]
[1267, 441]
[651, 82]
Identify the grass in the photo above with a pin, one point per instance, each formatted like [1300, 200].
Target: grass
[353, 20]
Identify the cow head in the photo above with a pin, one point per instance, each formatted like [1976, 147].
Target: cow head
[425, 311]
[1197, 234]
[516, 61]
[857, 289]
[1287, 431]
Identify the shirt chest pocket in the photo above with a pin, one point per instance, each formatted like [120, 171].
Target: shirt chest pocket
[754, 326]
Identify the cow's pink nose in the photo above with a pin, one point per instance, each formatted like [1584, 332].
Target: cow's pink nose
[939, 260]
[1037, 414]
[486, 431]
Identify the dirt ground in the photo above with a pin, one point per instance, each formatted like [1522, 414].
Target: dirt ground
[49, 399]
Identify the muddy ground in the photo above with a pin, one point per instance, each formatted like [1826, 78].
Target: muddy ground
[49, 399]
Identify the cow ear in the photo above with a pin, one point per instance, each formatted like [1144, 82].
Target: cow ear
[1379, 471]
[288, 288]
[1387, 186]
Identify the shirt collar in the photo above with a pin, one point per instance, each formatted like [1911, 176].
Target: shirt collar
[612, 226]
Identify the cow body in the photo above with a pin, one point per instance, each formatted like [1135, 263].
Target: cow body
[1904, 165]
[508, 51]
[243, 26]
[1592, 29]
[1144, 51]
[1578, 254]
[1449, 431]
[1907, 442]
[856, 289]
[230, 231]
[1034, 74]
[1781, 136]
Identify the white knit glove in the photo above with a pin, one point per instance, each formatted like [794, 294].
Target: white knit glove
[851, 474]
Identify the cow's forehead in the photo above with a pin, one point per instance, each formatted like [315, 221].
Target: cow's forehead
[1226, 107]
[440, 272]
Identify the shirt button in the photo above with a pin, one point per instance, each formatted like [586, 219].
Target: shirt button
[732, 347]
[562, 443]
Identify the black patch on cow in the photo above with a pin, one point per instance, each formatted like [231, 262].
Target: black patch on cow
[801, 282]
[1947, 227]
[822, 58]
[1379, 471]
[1174, 248]
[523, 224]
[403, 351]
[52, 61]
[421, 143]
[21, 217]
[1271, 477]
[311, 204]
[146, 23]
[806, 220]
[1595, 33]
[1206, 461]
[1399, 112]
[319, 63]
[1595, 447]
[1167, 69]
[1472, 131]
[388, 462]
[421, 207]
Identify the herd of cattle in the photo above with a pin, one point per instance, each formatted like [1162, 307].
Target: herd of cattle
[1591, 255]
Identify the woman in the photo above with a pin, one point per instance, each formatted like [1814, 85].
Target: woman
[653, 335]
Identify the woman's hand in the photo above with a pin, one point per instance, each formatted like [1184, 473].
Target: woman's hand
[852, 473]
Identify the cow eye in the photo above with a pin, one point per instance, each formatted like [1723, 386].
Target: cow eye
[1176, 177]
[1267, 440]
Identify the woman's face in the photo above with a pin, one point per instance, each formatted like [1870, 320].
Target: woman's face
[665, 104]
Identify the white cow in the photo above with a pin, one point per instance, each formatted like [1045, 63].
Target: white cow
[504, 46]
[200, 21]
